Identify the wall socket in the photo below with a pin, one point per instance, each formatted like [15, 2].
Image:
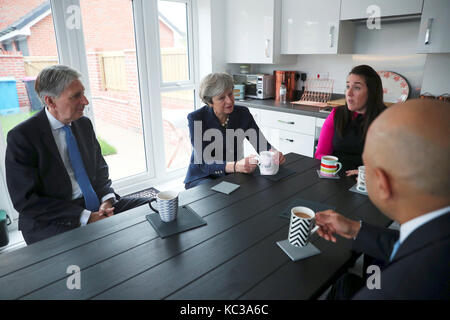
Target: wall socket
[320, 75]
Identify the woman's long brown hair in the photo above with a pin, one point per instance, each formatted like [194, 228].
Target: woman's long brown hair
[375, 104]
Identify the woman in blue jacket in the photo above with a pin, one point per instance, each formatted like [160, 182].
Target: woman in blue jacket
[217, 131]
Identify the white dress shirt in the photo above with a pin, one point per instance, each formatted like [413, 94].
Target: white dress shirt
[60, 139]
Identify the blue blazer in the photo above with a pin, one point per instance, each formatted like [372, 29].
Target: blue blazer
[240, 118]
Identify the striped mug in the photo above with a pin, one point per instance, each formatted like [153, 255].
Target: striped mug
[302, 225]
[167, 205]
[330, 166]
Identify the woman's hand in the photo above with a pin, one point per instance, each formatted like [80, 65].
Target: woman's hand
[351, 172]
[281, 158]
[246, 165]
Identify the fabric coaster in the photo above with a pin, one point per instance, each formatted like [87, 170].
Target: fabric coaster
[186, 219]
[353, 189]
[299, 202]
[225, 187]
[283, 172]
[326, 177]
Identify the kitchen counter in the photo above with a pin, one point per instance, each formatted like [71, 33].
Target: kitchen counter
[271, 104]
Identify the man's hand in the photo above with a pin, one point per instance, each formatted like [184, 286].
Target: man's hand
[331, 222]
[106, 210]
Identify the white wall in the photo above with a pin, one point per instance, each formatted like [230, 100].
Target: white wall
[211, 36]
[436, 78]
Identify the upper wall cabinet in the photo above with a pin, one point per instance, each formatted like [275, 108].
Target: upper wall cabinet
[434, 27]
[313, 27]
[362, 9]
[250, 28]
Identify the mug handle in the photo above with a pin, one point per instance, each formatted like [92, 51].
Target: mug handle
[150, 204]
[257, 159]
[314, 227]
[340, 167]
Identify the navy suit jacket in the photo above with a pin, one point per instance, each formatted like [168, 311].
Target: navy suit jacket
[38, 182]
[421, 267]
[240, 118]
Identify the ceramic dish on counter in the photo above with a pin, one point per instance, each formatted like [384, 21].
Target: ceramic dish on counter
[395, 87]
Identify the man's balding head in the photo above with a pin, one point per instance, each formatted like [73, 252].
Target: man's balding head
[410, 143]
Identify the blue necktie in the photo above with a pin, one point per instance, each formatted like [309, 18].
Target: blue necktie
[394, 249]
[90, 197]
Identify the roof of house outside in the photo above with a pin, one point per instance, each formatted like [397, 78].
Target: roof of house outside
[26, 19]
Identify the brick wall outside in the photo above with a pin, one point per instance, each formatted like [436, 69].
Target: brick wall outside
[11, 65]
[118, 107]
[13, 10]
[42, 41]
[107, 26]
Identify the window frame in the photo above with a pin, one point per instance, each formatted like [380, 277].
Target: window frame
[72, 51]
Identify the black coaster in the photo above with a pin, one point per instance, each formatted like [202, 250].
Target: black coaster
[283, 172]
[315, 206]
[186, 219]
[353, 189]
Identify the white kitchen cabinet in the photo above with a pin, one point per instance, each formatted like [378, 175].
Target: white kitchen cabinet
[314, 27]
[252, 30]
[256, 113]
[357, 9]
[289, 141]
[288, 121]
[434, 27]
[289, 132]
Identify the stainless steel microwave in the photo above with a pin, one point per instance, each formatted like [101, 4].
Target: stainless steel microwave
[257, 86]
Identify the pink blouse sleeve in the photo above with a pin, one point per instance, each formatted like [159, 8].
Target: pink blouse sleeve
[325, 145]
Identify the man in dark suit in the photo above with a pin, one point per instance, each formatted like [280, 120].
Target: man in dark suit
[56, 175]
[406, 156]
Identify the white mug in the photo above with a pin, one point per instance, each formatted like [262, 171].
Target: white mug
[361, 185]
[268, 163]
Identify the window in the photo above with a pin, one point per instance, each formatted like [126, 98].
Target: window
[177, 80]
[25, 25]
[110, 45]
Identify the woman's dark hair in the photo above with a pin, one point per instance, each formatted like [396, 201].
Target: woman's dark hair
[374, 105]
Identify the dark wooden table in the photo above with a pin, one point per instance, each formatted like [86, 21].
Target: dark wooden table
[235, 256]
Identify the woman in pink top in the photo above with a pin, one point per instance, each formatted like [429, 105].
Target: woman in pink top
[344, 130]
